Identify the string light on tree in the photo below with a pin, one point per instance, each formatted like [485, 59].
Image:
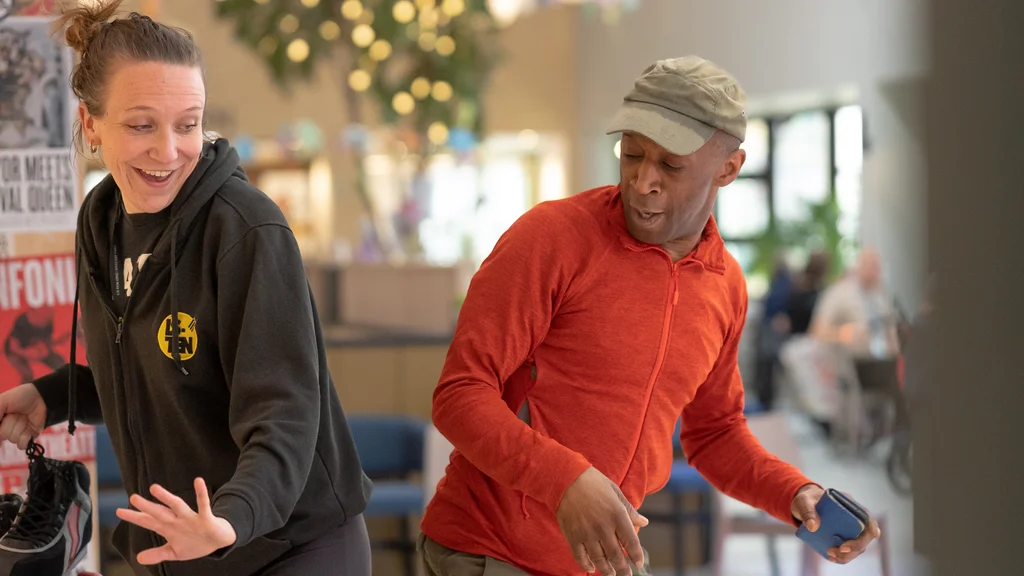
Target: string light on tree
[427, 41]
[330, 30]
[403, 103]
[442, 91]
[363, 35]
[403, 11]
[310, 3]
[298, 50]
[453, 8]
[380, 50]
[445, 46]
[420, 88]
[437, 133]
[428, 19]
[351, 9]
[359, 80]
[289, 24]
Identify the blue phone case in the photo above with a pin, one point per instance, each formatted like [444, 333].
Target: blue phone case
[842, 520]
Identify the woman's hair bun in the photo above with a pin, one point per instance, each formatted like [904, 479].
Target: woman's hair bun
[82, 22]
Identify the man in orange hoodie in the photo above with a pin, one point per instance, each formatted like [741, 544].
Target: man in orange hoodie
[596, 322]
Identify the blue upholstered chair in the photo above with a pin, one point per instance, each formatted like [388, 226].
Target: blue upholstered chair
[684, 479]
[111, 493]
[391, 451]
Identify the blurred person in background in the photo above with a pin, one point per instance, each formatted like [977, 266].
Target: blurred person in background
[803, 298]
[802, 356]
[857, 320]
[857, 314]
[206, 359]
[772, 331]
[594, 324]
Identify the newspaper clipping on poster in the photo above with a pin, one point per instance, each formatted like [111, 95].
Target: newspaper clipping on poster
[38, 184]
[36, 306]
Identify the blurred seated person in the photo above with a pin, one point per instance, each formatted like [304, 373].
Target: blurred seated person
[856, 319]
[856, 314]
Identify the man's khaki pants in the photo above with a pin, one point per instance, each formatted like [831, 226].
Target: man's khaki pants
[441, 561]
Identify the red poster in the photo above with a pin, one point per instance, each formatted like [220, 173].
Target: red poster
[36, 305]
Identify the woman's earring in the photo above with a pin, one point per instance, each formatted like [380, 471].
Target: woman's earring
[93, 148]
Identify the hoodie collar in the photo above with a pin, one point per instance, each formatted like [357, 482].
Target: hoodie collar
[217, 164]
[710, 251]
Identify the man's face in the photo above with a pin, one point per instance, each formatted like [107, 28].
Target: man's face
[668, 197]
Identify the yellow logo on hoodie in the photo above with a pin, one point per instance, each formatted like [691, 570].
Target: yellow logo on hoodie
[188, 340]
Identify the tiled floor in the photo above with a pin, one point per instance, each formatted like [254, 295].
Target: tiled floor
[865, 479]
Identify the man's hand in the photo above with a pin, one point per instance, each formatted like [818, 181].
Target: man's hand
[599, 523]
[22, 415]
[803, 510]
[189, 534]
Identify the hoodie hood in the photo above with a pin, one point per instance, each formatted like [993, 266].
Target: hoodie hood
[101, 210]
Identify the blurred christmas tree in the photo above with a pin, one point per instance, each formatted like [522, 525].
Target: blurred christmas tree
[425, 63]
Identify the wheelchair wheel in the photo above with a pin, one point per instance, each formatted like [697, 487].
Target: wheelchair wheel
[899, 465]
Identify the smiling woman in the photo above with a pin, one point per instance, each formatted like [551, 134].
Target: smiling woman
[205, 352]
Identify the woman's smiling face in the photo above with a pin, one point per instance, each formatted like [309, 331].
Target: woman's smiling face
[150, 131]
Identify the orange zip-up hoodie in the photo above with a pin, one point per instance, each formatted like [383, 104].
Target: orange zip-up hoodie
[607, 342]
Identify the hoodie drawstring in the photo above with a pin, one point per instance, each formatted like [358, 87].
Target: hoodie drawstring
[175, 322]
[73, 360]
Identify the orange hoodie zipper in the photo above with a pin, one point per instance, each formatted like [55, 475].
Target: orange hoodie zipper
[659, 361]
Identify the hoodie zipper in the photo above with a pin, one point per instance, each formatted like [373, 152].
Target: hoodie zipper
[129, 401]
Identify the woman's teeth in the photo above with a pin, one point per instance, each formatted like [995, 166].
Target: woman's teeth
[155, 175]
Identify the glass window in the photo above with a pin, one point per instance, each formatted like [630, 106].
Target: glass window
[801, 173]
[849, 134]
[848, 194]
[743, 208]
[756, 145]
[452, 205]
[744, 253]
[849, 141]
[505, 198]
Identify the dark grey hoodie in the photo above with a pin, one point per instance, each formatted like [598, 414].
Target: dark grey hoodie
[237, 392]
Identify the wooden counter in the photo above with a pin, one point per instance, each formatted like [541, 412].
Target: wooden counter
[390, 371]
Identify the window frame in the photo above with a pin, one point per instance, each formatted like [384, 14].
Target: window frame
[766, 176]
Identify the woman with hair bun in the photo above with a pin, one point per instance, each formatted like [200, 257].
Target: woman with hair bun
[206, 358]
